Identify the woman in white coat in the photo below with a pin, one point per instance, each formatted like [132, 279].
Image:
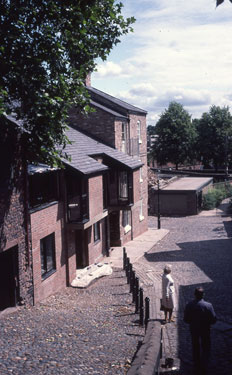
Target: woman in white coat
[168, 294]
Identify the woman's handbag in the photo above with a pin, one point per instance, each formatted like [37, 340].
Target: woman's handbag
[161, 305]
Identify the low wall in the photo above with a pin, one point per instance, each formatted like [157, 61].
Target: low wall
[147, 358]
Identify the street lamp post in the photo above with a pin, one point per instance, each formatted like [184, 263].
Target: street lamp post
[158, 202]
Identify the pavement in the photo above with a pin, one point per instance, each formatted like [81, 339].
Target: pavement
[137, 248]
[199, 250]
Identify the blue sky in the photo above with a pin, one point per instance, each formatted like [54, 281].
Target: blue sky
[180, 50]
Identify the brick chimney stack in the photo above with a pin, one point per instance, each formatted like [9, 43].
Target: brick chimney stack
[88, 80]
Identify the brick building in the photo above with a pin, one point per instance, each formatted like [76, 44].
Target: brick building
[70, 218]
[16, 283]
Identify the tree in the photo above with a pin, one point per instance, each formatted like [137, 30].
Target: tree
[176, 135]
[214, 137]
[151, 130]
[47, 50]
[218, 2]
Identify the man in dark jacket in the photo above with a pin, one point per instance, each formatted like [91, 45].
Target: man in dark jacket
[200, 314]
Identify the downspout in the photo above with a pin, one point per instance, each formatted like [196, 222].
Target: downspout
[62, 182]
[29, 260]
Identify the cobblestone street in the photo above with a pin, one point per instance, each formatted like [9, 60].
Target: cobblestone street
[91, 331]
[199, 248]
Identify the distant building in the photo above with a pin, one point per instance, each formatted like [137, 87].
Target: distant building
[181, 196]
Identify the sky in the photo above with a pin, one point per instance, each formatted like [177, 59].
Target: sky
[180, 51]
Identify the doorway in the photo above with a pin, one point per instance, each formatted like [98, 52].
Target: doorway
[9, 283]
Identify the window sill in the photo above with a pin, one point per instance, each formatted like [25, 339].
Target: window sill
[48, 274]
[127, 229]
[141, 218]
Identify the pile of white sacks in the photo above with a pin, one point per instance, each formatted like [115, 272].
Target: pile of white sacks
[88, 274]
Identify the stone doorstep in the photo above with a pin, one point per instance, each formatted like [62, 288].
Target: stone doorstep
[87, 275]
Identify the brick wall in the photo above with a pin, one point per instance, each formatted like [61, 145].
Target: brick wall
[13, 214]
[97, 249]
[95, 196]
[43, 223]
[99, 123]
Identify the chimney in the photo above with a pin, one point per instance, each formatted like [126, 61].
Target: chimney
[88, 80]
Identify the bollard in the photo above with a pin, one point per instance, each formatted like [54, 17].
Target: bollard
[134, 288]
[141, 307]
[131, 278]
[127, 268]
[147, 311]
[136, 295]
[126, 265]
[128, 271]
[132, 281]
[124, 258]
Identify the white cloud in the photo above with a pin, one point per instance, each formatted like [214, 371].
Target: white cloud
[179, 51]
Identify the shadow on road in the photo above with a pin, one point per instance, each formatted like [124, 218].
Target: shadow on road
[211, 259]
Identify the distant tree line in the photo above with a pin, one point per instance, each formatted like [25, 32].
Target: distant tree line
[183, 141]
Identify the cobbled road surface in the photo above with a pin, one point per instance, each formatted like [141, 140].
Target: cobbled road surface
[91, 331]
[199, 248]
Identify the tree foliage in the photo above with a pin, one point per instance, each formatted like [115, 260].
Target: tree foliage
[219, 2]
[214, 137]
[176, 136]
[47, 49]
[151, 130]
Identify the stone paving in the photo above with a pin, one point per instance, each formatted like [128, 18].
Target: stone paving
[77, 331]
[199, 248]
[95, 331]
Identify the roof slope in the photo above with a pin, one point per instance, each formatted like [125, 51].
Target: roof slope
[115, 104]
[188, 184]
[84, 148]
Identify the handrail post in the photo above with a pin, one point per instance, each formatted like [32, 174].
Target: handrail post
[131, 278]
[141, 307]
[147, 311]
[124, 258]
[129, 271]
[136, 295]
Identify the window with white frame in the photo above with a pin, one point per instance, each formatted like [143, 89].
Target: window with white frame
[96, 231]
[123, 185]
[141, 217]
[126, 220]
[139, 131]
[124, 137]
[141, 174]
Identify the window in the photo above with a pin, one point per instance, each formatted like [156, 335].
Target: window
[123, 186]
[47, 254]
[104, 192]
[43, 188]
[96, 231]
[124, 137]
[77, 197]
[139, 131]
[141, 174]
[126, 220]
[141, 217]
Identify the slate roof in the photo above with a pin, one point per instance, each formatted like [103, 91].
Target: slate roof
[84, 147]
[19, 124]
[114, 103]
[108, 110]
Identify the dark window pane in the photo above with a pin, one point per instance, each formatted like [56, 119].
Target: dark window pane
[123, 185]
[96, 231]
[47, 253]
[43, 188]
